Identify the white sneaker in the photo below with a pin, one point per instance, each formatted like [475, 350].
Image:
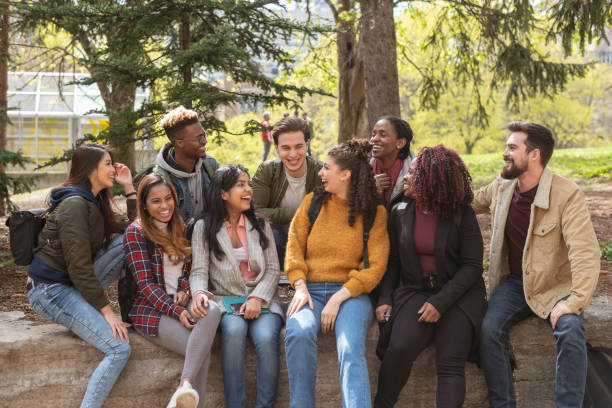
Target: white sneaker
[184, 397]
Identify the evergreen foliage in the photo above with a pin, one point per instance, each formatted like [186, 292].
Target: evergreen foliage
[203, 54]
[14, 185]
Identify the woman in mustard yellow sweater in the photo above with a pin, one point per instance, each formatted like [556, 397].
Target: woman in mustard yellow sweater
[325, 264]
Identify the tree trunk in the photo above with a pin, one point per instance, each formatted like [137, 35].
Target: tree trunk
[121, 108]
[185, 37]
[351, 86]
[380, 66]
[4, 48]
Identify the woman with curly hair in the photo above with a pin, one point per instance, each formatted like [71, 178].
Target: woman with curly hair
[326, 264]
[433, 288]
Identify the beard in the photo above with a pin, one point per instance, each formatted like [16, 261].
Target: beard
[513, 171]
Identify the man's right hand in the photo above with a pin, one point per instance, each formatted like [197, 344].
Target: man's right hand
[199, 303]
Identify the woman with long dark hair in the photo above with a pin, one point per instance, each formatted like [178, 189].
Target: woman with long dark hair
[160, 311]
[234, 256]
[433, 288]
[65, 283]
[326, 264]
[391, 157]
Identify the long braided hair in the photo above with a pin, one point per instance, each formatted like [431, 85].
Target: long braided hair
[441, 182]
[354, 156]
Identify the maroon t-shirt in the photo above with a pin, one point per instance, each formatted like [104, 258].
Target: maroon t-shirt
[424, 241]
[517, 225]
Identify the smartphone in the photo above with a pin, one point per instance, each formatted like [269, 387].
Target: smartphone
[236, 309]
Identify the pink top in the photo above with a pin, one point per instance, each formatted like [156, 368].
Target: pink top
[247, 273]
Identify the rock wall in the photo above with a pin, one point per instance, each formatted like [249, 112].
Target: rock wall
[47, 366]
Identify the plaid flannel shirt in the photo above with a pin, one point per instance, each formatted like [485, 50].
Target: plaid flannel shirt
[151, 298]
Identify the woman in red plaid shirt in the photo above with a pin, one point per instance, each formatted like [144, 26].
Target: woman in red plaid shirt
[160, 311]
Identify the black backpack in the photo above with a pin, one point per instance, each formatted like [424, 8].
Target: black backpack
[598, 391]
[315, 209]
[24, 227]
[127, 287]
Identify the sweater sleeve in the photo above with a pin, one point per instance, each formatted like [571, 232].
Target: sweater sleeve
[72, 215]
[295, 256]
[365, 280]
[198, 278]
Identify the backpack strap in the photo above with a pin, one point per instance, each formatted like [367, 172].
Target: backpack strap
[313, 211]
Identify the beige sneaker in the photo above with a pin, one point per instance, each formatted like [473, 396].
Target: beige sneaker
[184, 397]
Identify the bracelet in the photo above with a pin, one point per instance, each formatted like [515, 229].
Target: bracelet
[130, 194]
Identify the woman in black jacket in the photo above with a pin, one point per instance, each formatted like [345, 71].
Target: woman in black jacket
[433, 288]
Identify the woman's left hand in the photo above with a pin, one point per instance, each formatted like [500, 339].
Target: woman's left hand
[429, 314]
[331, 309]
[251, 308]
[124, 177]
[181, 298]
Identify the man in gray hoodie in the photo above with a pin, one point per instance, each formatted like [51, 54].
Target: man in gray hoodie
[183, 160]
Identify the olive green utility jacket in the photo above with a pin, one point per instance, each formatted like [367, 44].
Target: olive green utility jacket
[561, 255]
[74, 232]
[270, 185]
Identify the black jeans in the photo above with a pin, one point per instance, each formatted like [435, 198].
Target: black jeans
[452, 335]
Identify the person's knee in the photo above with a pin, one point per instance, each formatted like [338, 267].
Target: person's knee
[491, 328]
[122, 351]
[569, 328]
[300, 330]
[213, 312]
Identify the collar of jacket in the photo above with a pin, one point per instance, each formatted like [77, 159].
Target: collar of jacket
[312, 175]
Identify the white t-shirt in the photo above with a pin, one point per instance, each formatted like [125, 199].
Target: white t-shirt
[296, 191]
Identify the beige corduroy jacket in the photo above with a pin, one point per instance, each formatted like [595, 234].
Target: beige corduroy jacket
[223, 277]
[561, 255]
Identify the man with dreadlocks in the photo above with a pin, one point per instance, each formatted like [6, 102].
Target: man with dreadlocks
[333, 274]
[544, 262]
[433, 288]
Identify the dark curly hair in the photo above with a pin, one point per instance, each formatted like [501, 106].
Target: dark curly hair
[223, 180]
[441, 182]
[354, 155]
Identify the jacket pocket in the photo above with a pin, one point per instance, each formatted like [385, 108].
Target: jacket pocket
[543, 229]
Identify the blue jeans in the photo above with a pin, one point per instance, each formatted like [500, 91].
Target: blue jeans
[352, 323]
[110, 262]
[280, 239]
[264, 333]
[507, 306]
[64, 305]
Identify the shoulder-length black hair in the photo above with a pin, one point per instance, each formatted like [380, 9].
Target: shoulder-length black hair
[216, 213]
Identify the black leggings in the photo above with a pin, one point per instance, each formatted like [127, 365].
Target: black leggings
[453, 338]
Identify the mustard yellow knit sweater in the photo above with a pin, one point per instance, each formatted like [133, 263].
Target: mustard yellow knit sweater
[333, 251]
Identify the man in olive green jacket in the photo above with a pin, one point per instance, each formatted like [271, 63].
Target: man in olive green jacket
[544, 261]
[280, 185]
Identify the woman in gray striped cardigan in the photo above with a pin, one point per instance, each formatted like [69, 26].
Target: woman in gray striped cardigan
[234, 256]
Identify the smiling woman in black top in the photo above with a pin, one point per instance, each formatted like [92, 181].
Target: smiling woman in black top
[433, 288]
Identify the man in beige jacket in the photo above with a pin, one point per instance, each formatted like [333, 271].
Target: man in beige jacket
[544, 261]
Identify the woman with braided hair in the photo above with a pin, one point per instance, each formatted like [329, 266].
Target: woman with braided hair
[332, 274]
[433, 288]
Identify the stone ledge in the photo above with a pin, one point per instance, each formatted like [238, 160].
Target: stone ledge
[47, 366]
